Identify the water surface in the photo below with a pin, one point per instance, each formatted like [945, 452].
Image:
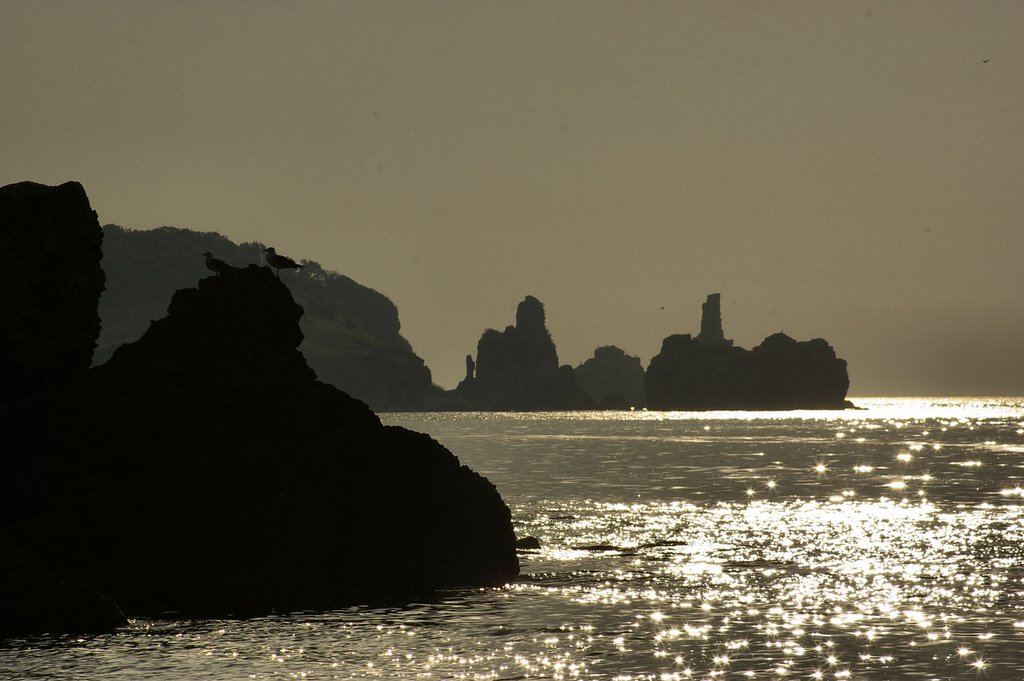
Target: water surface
[883, 543]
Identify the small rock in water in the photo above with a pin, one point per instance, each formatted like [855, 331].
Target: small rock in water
[528, 544]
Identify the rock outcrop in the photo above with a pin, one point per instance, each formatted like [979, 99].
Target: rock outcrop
[50, 285]
[352, 333]
[222, 478]
[517, 369]
[205, 471]
[711, 332]
[613, 379]
[35, 600]
[780, 373]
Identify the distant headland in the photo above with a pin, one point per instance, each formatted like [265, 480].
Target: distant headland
[352, 334]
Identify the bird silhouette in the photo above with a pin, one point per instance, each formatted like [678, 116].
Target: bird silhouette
[280, 262]
[985, 61]
[217, 265]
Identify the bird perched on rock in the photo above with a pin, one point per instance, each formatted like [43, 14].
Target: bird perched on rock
[217, 265]
[280, 262]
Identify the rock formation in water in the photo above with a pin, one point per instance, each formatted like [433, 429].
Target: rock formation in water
[352, 333]
[49, 288]
[780, 373]
[203, 470]
[711, 332]
[36, 600]
[517, 369]
[51, 243]
[612, 379]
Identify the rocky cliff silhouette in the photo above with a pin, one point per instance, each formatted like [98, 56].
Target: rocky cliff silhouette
[517, 369]
[51, 282]
[205, 471]
[709, 372]
[352, 333]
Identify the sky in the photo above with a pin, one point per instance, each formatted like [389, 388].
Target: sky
[846, 170]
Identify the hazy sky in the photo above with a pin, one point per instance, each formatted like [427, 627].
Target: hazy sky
[846, 170]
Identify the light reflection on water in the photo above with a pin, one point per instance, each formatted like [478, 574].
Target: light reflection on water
[876, 544]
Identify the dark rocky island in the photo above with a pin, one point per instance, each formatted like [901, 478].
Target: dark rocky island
[517, 369]
[709, 372]
[204, 470]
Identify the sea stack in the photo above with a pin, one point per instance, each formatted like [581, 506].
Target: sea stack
[711, 333]
[517, 369]
[709, 372]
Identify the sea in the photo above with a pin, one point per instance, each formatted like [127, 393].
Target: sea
[885, 542]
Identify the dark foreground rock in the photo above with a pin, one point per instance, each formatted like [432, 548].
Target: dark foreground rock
[35, 600]
[51, 283]
[709, 372]
[204, 471]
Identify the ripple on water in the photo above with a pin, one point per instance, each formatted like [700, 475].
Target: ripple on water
[878, 544]
[774, 586]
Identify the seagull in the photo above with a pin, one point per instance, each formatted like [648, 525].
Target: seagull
[217, 265]
[280, 262]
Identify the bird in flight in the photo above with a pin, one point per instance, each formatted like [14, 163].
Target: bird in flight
[217, 265]
[985, 61]
[280, 262]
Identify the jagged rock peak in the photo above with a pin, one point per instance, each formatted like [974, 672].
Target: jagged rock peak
[518, 368]
[711, 332]
[244, 321]
[530, 316]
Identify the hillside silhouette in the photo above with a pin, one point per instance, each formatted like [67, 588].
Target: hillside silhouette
[352, 332]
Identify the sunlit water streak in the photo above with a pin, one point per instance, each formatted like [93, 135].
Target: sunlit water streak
[883, 543]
